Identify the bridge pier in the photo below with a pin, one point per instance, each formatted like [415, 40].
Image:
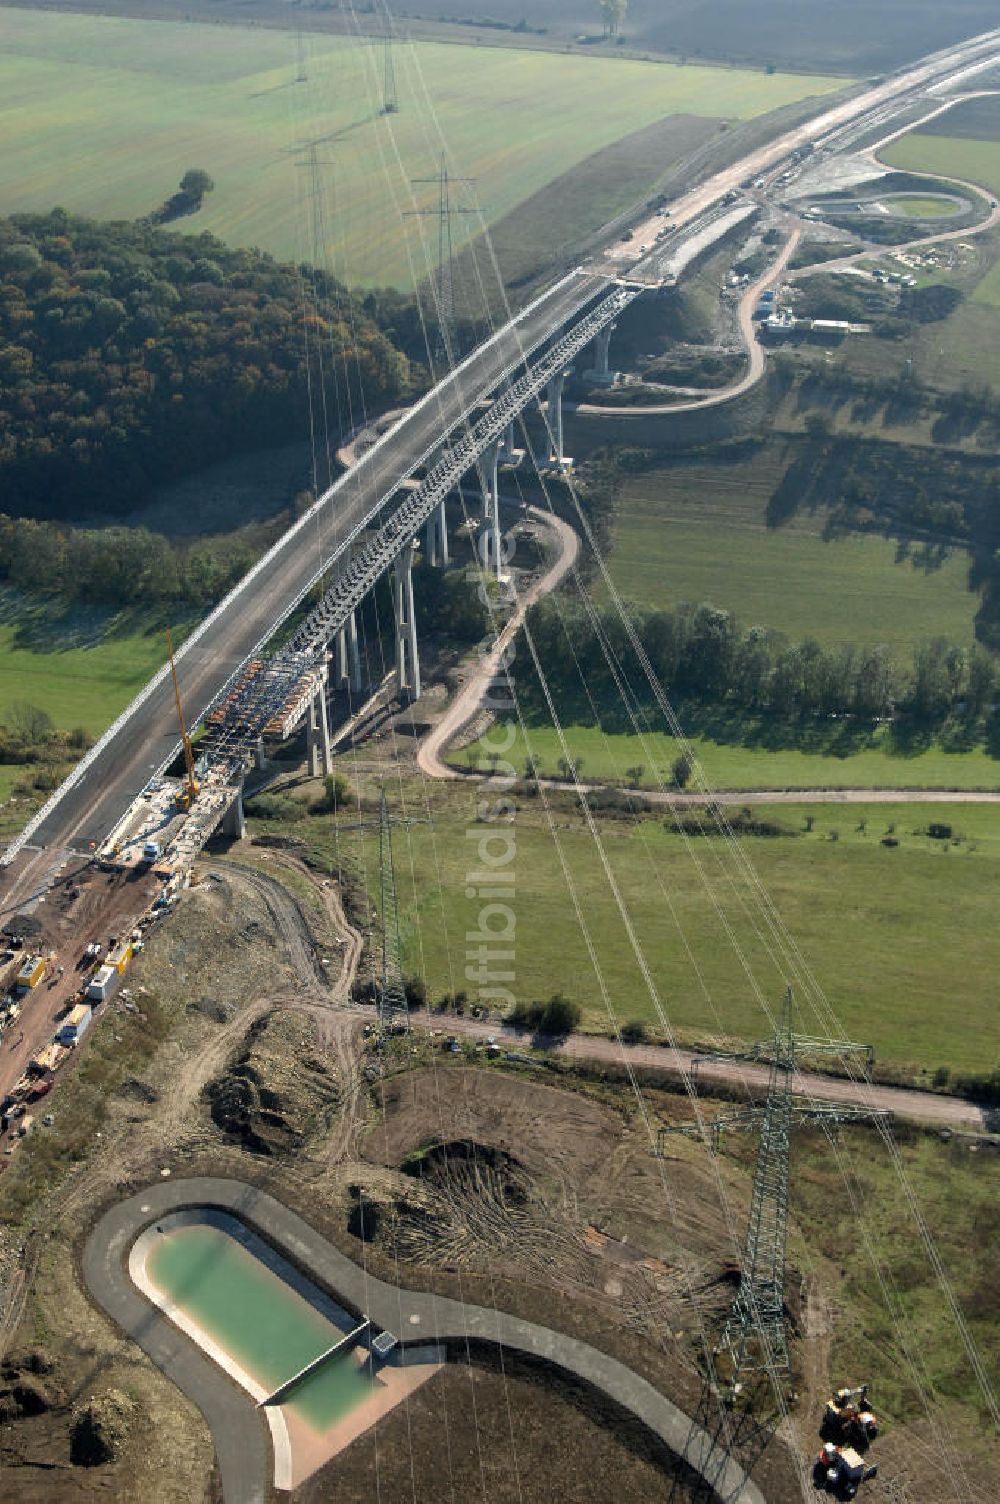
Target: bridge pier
[233, 823]
[602, 371]
[489, 475]
[558, 459]
[341, 673]
[436, 537]
[318, 735]
[509, 452]
[407, 657]
[353, 654]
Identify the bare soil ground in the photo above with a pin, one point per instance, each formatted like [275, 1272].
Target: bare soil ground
[80, 898]
[472, 1433]
[477, 1183]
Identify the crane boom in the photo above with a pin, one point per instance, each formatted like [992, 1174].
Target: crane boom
[189, 793]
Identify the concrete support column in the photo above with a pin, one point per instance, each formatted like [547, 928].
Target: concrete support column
[353, 654]
[489, 475]
[340, 668]
[407, 658]
[233, 822]
[260, 756]
[436, 537]
[318, 735]
[602, 344]
[555, 391]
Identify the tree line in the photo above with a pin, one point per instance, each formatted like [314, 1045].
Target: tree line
[118, 566]
[704, 656]
[130, 356]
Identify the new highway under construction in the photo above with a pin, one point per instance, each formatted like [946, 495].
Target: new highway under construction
[263, 1104]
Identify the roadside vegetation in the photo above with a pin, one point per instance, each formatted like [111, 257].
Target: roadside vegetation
[34, 758]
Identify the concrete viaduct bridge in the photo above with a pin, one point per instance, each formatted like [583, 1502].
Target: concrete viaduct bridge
[363, 527]
[367, 523]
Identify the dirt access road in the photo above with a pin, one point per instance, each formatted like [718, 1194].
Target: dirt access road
[911, 1105]
[755, 352]
[473, 692]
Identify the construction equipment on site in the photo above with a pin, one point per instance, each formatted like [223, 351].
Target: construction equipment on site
[849, 1418]
[754, 1337]
[189, 793]
[841, 1471]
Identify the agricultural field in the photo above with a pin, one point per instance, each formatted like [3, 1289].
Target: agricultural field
[802, 35]
[226, 99]
[885, 927]
[973, 161]
[735, 755]
[699, 532]
[82, 677]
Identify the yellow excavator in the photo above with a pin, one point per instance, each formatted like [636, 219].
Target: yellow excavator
[191, 788]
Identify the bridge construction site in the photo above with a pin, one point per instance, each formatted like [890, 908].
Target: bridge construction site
[415, 1193]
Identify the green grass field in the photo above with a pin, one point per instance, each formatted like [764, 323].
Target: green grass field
[912, 206]
[607, 758]
[696, 532]
[78, 686]
[102, 116]
[948, 156]
[887, 932]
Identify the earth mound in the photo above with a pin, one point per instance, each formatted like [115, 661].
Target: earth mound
[278, 1092]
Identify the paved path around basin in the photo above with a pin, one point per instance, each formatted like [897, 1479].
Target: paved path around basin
[236, 1424]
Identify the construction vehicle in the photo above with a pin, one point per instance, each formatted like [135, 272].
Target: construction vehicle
[848, 1418]
[841, 1470]
[187, 794]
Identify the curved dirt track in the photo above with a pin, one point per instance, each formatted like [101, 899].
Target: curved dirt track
[467, 701]
[753, 349]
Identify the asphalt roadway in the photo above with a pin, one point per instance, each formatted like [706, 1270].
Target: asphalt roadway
[89, 809]
[241, 1443]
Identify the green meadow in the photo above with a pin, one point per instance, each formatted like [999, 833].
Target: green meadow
[829, 760]
[948, 157]
[81, 679]
[886, 929]
[130, 104]
[698, 532]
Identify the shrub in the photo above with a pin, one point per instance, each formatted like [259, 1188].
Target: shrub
[634, 1032]
[416, 993]
[275, 807]
[557, 1018]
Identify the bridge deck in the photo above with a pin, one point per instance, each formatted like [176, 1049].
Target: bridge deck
[148, 733]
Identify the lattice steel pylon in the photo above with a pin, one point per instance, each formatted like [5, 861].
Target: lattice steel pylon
[758, 1311]
[390, 989]
[390, 98]
[754, 1336]
[390, 998]
[444, 212]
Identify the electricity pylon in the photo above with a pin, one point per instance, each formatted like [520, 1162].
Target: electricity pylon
[390, 990]
[390, 99]
[445, 212]
[754, 1336]
[301, 76]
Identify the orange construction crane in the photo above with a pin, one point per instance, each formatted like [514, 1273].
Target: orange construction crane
[189, 793]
